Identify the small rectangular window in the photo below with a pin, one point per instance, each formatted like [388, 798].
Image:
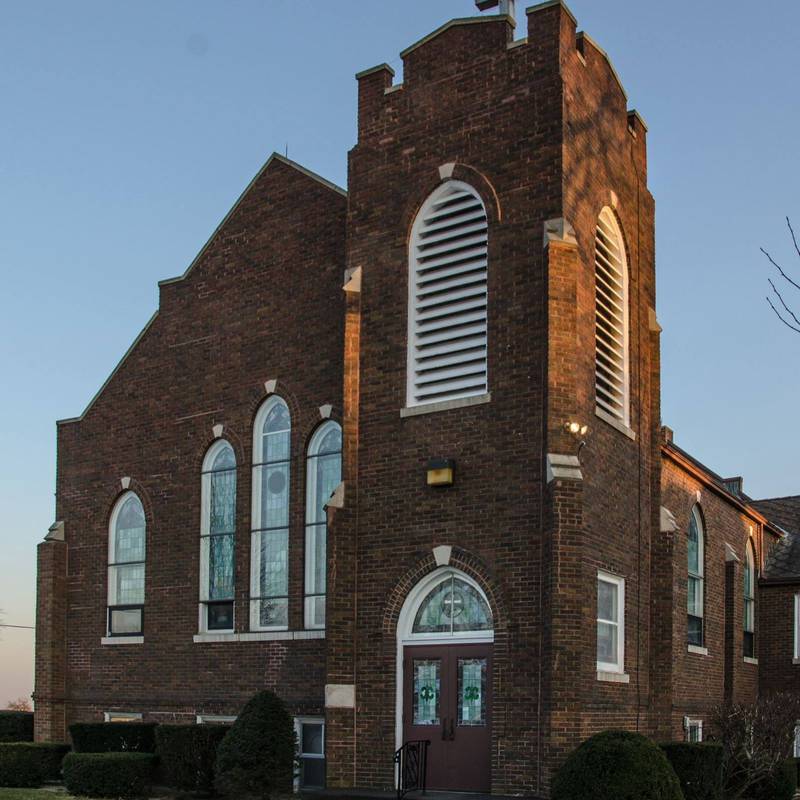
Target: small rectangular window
[311, 752]
[694, 731]
[122, 716]
[219, 616]
[125, 621]
[610, 623]
[797, 741]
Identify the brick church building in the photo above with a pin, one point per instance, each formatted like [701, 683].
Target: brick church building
[396, 454]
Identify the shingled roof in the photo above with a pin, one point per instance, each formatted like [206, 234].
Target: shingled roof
[783, 563]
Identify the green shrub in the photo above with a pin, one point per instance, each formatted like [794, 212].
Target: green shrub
[16, 726]
[108, 774]
[698, 767]
[186, 754]
[113, 737]
[25, 764]
[782, 785]
[616, 765]
[256, 758]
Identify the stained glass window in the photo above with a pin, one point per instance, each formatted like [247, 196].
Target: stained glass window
[427, 684]
[323, 474]
[453, 606]
[269, 607]
[217, 537]
[471, 691]
[126, 569]
[695, 587]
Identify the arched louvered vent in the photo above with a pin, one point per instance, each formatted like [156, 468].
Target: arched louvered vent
[447, 297]
[611, 318]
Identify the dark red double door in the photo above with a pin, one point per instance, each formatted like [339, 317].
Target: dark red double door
[447, 699]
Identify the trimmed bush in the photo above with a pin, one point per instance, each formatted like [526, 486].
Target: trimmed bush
[698, 767]
[186, 755]
[16, 726]
[24, 764]
[113, 737]
[616, 765]
[108, 774]
[782, 785]
[256, 758]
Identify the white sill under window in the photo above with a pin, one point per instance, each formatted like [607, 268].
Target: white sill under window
[614, 422]
[445, 405]
[122, 640]
[613, 677]
[698, 651]
[750, 660]
[258, 636]
[796, 661]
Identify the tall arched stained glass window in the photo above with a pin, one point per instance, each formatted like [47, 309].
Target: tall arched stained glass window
[749, 641]
[696, 582]
[126, 561]
[269, 580]
[217, 538]
[323, 474]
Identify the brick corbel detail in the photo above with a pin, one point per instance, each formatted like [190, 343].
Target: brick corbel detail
[51, 645]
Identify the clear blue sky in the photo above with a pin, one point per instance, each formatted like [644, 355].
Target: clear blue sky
[127, 131]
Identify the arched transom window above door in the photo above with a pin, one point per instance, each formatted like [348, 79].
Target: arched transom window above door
[448, 605]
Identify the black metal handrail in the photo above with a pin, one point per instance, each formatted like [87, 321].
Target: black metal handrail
[412, 767]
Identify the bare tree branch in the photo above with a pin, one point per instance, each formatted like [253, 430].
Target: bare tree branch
[783, 302]
[794, 238]
[777, 266]
[777, 314]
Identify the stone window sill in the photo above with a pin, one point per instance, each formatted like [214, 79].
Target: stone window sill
[748, 660]
[615, 423]
[122, 640]
[613, 677]
[257, 636]
[445, 405]
[698, 651]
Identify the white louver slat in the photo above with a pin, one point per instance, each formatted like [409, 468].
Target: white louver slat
[447, 315]
[611, 319]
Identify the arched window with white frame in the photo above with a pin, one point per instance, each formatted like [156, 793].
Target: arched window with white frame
[217, 537]
[696, 579]
[323, 474]
[749, 638]
[269, 579]
[127, 535]
[447, 305]
[612, 359]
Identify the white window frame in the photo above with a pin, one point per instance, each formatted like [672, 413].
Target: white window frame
[122, 716]
[455, 397]
[255, 513]
[298, 729]
[694, 723]
[205, 524]
[214, 719]
[312, 527]
[111, 594]
[796, 746]
[619, 666]
[796, 656]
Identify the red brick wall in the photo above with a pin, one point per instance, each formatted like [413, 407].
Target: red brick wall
[777, 670]
[699, 681]
[262, 302]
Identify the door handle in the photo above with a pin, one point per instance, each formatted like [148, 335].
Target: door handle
[452, 730]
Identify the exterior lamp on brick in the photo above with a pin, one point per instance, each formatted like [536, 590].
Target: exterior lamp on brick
[579, 431]
[439, 471]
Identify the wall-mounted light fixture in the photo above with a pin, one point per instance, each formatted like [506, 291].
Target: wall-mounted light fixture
[576, 428]
[439, 471]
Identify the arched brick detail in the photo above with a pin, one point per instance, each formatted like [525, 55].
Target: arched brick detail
[460, 559]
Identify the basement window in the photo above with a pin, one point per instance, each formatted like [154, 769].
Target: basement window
[311, 752]
[122, 716]
[694, 731]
